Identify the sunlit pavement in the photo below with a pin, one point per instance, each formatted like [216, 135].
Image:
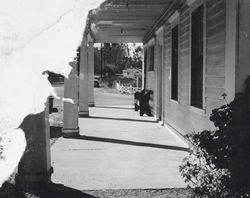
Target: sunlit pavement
[118, 149]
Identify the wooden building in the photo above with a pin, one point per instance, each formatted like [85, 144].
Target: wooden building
[194, 52]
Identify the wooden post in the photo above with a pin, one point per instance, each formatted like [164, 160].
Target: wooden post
[83, 82]
[70, 110]
[91, 100]
[34, 169]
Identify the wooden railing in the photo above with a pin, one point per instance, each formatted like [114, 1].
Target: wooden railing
[126, 89]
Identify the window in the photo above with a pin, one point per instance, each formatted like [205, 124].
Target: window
[174, 63]
[197, 58]
[151, 58]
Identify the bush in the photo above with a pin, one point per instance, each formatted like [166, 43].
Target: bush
[218, 164]
[201, 174]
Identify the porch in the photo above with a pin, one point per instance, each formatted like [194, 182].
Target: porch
[102, 144]
[118, 149]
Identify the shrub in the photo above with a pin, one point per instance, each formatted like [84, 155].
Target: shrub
[221, 166]
[201, 174]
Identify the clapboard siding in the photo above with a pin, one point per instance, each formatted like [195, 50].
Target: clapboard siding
[215, 60]
[214, 92]
[215, 72]
[166, 70]
[215, 18]
[219, 27]
[180, 115]
[151, 85]
[184, 57]
[151, 82]
[215, 82]
[213, 104]
[215, 6]
[215, 54]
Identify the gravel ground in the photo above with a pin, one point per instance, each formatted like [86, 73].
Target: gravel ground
[141, 193]
[9, 191]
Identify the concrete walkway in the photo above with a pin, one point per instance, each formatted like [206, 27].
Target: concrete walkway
[118, 149]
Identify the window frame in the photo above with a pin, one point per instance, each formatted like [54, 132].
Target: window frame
[193, 8]
[175, 23]
[151, 57]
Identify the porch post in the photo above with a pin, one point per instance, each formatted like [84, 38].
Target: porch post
[70, 109]
[243, 48]
[91, 101]
[34, 169]
[83, 81]
[231, 48]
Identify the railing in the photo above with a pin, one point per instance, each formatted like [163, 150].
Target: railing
[126, 89]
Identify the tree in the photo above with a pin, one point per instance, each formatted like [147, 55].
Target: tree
[117, 57]
[113, 54]
[137, 58]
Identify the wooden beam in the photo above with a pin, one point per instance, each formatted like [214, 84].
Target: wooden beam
[122, 17]
[129, 39]
[137, 6]
[162, 18]
[137, 21]
[136, 2]
[135, 18]
[124, 25]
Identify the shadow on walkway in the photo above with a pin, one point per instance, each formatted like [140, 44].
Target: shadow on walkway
[55, 131]
[61, 191]
[111, 107]
[121, 119]
[132, 143]
[53, 190]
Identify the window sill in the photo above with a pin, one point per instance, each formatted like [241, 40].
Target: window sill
[174, 101]
[197, 110]
[150, 71]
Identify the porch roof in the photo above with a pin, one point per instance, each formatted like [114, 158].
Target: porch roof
[123, 21]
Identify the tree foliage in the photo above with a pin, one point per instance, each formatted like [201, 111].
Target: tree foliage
[117, 57]
[225, 151]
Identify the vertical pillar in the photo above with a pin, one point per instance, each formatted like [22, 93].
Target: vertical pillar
[231, 48]
[91, 100]
[34, 169]
[83, 82]
[243, 58]
[70, 108]
[159, 66]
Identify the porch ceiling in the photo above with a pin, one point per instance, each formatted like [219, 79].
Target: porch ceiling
[125, 21]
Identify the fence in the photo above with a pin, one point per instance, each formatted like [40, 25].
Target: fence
[126, 89]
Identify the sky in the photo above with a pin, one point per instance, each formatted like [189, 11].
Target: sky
[35, 36]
